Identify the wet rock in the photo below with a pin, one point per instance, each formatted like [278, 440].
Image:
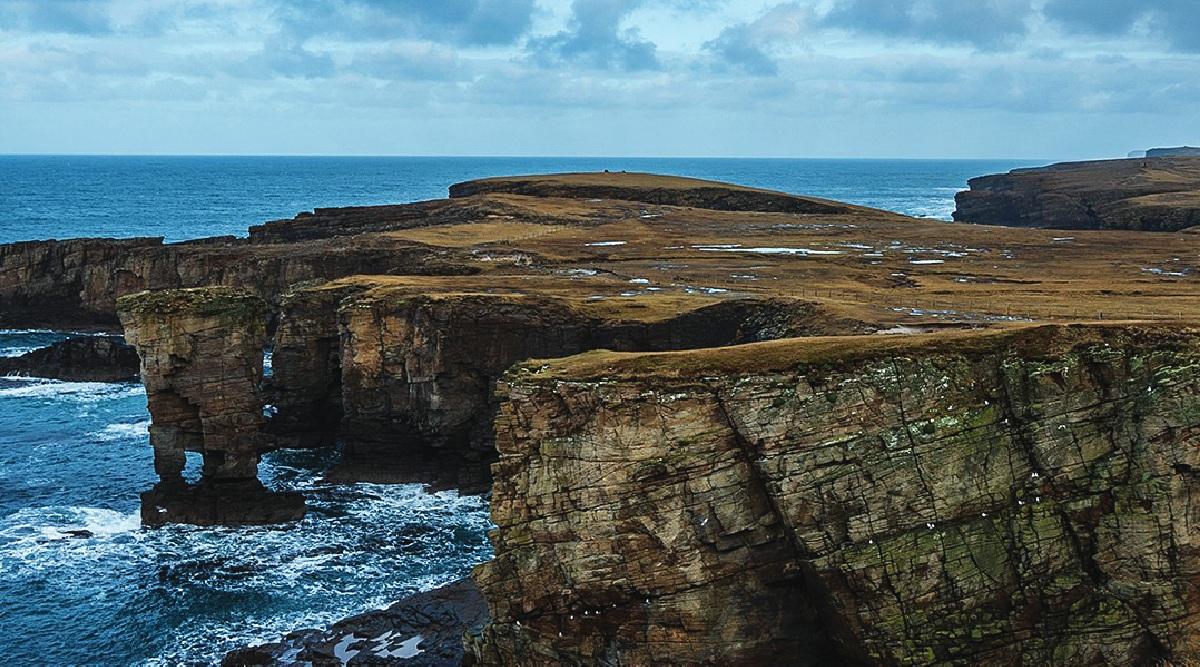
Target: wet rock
[424, 630]
[201, 360]
[985, 498]
[78, 359]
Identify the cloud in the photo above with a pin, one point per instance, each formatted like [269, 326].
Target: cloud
[745, 45]
[985, 24]
[462, 22]
[79, 17]
[412, 61]
[594, 38]
[1176, 21]
[286, 57]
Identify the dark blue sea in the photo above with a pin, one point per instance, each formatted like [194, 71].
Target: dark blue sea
[81, 583]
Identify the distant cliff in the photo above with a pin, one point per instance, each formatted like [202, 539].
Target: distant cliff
[1150, 194]
[1180, 151]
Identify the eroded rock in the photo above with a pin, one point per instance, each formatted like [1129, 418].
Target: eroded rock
[404, 371]
[78, 359]
[201, 362]
[423, 630]
[998, 498]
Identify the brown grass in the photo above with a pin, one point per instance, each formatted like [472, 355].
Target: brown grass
[795, 353]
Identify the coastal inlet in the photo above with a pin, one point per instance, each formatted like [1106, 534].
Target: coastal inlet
[81, 582]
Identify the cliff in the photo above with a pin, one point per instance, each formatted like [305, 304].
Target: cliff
[78, 359]
[1178, 151]
[1009, 497]
[201, 356]
[76, 283]
[1153, 194]
[402, 369]
[651, 189]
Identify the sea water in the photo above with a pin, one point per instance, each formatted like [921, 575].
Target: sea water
[82, 583]
[178, 198]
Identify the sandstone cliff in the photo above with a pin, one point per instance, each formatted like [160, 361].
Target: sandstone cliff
[402, 370]
[1153, 194]
[1021, 497]
[201, 359]
[78, 359]
[76, 283]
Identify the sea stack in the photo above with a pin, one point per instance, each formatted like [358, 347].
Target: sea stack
[201, 361]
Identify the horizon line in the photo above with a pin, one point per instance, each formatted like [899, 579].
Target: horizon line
[529, 156]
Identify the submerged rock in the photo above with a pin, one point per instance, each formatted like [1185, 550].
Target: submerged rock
[997, 498]
[78, 359]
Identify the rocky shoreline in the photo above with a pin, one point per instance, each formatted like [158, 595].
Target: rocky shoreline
[699, 448]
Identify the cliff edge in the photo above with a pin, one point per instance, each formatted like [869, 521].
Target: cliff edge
[1023, 496]
[1160, 194]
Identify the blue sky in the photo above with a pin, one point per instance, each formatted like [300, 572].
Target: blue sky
[1053, 79]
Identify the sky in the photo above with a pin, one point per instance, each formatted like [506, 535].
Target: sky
[1060, 79]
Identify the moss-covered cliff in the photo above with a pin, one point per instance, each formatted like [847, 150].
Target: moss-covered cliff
[1004, 498]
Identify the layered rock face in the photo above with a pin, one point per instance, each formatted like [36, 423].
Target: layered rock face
[1153, 194]
[999, 498]
[78, 359]
[201, 361]
[306, 386]
[65, 283]
[76, 283]
[405, 377]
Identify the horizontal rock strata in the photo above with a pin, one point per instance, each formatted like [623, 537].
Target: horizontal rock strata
[1152, 194]
[403, 372]
[1022, 497]
[201, 359]
[78, 359]
[76, 283]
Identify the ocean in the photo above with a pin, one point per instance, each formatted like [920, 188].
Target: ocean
[82, 583]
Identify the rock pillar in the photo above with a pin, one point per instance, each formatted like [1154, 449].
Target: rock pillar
[201, 362]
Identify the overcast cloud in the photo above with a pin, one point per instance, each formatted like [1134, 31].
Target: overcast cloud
[903, 78]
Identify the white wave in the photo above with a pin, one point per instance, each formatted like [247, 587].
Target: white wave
[18, 351]
[15, 386]
[25, 332]
[42, 524]
[114, 432]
